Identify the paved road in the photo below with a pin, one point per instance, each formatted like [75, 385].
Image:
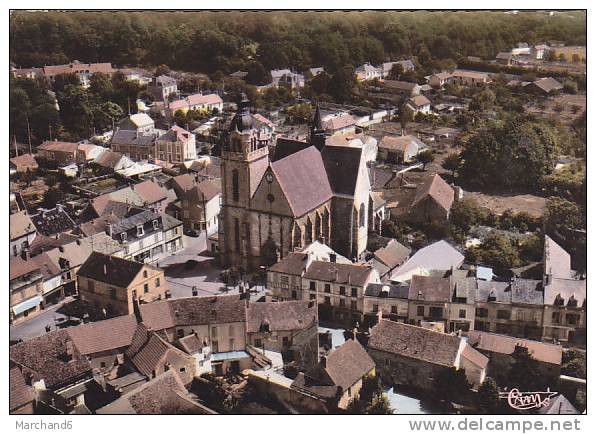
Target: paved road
[36, 326]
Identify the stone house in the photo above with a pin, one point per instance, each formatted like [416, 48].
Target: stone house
[116, 284]
[22, 232]
[419, 104]
[175, 146]
[433, 201]
[337, 379]
[26, 289]
[284, 278]
[389, 300]
[404, 88]
[206, 103]
[58, 152]
[430, 298]
[162, 87]
[399, 150]
[388, 258]
[409, 355]
[21, 396]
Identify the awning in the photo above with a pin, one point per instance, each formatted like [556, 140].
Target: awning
[26, 305]
[230, 355]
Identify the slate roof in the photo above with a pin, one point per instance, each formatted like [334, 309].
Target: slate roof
[285, 147]
[548, 84]
[104, 335]
[350, 274]
[281, 316]
[496, 343]
[193, 311]
[44, 356]
[53, 221]
[342, 164]
[108, 159]
[430, 288]
[294, 264]
[380, 290]
[132, 137]
[393, 254]
[414, 342]
[565, 290]
[118, 272]
[175, 134]
[20, 224]
[527, 291]
[437, 256]
[558, 405]
[134, 220]
[499, 291]
[19, 393]
[436, 188]
[164, 394]
[303, 180]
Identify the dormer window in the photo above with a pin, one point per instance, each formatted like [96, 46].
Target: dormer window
[139, 231]
[155, 224]
[123, 237]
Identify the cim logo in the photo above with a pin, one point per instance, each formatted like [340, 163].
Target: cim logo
[527, 400]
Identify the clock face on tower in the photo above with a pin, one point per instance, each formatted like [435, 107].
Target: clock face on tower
[269, 177]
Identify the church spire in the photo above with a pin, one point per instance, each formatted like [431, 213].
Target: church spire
[317, 132]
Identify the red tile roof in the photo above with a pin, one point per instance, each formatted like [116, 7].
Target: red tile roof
[104, 335]
[151, 192]
[438, 190]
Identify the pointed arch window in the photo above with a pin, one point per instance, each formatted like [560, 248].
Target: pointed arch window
[235, 186]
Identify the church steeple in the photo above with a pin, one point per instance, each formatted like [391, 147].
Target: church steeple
[318, 136]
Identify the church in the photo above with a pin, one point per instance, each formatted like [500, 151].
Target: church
[279, 201]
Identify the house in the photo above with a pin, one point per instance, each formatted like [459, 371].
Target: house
[22, 232]
[539, 50]
[429, 298]
[564, 317]
[501, 351]
[419, 104]
[56, 370]
[493, 307]
[26, 288]
[401, 88]
[379, 213]
[414, 356]
[83, 71]
[139, 122]
[24, 163]
[287, 78]
[219, 322]
[469, 78]
[544, 86]
[337, 379]
[439, 79]
[367, 72]
[462, 307]
[437, 256]
[153, 195]
[338, 289]
[52, 287]
[205, 103]
[286, 327]
[504, 58]
[172, 232]
[527, 305]
[115, 284]
[386, 67]
[388, 258]
[111, 161]
[388, 299]
[138, 145]
[175, 146]
[313, 72]
[165, 394]
[87, 152]
[198, 204]
[162, 87]
[433, 201]
[339, 123]
[239, 74]
[399, 149]
[318, 251]
[21, 396]
[284, 278]
[58, 152]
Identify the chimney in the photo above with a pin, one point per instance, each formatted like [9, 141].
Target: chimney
[25, 254]
[336, 276]
[323, 361]
[109, 229]
[379, 315]
[69, 350]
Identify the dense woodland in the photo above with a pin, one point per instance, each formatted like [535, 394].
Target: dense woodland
[228, 41]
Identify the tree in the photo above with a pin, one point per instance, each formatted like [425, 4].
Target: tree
[488, 396]
[562, 216]
[52, 197]
[515, 153]
[426, 157]
[162, 70]
[524, 373]
[107, 114]
[75, 110]
[574, 364]
[342, 84]
[44, 120]
[396, 72]
[451, 384]
[465, 213]
[405, 116]
[496, 250]
[452, 163]
[257, 74]
[372, 399]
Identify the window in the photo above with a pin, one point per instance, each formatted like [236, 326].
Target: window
[285, 281]
[146, 288]
[231, 330]
[294, 295]
[572, 318]
[123, 237]
[375, 307]
[481, 312]
[214, 332]
[183, 369]
[342, 302]
[394, 309]
[286, 341]
[342, 290]
[328, 300]
[237, 234]
[155, 224]
[353, 305]
[140, 231]
[112, 293]
[312, 286]
[258, 343]
[157, 283]
[102, 364]
[91, 285]
[420, 311]
[145, 274]
[462, 313]
[231, 344]
[327, 287]
[556, 317]
[503, 314]
[436, 312]
[134, 294]
[235, 186]
[354, 292]
[180, 333]
[313, 296]
[362, 216]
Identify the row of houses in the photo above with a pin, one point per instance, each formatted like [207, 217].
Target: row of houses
[431, 286]
[369, 72]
